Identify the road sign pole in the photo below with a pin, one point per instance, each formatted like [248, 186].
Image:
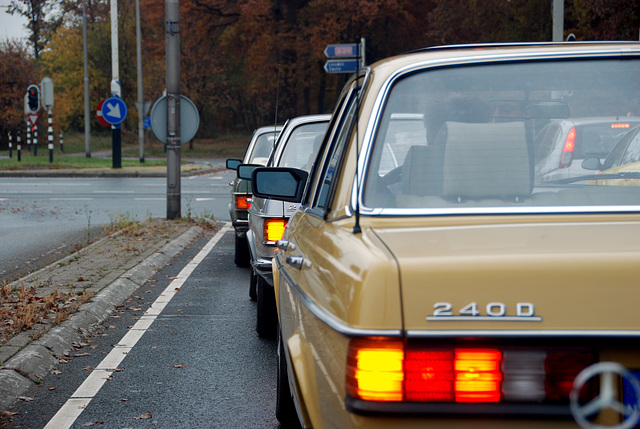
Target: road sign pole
[116, 136]
[87, 102]
[10, 146]
[142, 111]
[172, 42]
[35, 139]
[18, 146]
[50, 136]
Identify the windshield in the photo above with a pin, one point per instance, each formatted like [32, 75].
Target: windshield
[509, 135]
[302, 145]
[262, 148]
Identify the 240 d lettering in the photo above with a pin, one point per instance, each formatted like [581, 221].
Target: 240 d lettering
[493, 311]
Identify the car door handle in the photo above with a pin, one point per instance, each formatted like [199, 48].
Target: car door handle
[285, 245]
[295, 261]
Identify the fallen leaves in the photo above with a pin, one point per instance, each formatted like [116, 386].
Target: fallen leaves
[144, 416]
[179, 365]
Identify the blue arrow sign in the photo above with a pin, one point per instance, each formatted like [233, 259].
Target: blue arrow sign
[342, 51]
[342, 66]
[114, 110]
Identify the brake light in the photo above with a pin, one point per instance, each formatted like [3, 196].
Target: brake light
[274, 228]
[386, 370]
[243, 202]
[616, 126]
[567, 151]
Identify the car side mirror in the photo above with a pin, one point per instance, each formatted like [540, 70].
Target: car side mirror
[245, 170]
[592, 163]
[286, 184]
[232, 164]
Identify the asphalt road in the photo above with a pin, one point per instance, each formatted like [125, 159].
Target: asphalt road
[200, 364]
[45, 219]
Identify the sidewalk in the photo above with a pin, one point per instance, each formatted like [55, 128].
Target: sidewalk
[86, 286]
[189, 167]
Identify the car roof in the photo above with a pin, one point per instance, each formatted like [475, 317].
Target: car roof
[455, 53]
[267, 129]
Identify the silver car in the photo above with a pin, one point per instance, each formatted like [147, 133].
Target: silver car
[563, 144]
[257, 152]
[296, 147]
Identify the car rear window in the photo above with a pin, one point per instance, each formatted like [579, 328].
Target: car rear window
[474, 150]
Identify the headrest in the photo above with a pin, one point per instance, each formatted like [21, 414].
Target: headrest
[486, 160]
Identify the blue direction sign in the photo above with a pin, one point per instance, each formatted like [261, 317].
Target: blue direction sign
[342, 51]
[114, 110]
[342, 66]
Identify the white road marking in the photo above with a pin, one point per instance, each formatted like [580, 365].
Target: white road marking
[80, 399]
[70, 199]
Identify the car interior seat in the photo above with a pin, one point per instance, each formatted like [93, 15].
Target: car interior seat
[489, 160]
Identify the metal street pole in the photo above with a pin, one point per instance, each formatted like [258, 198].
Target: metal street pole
[558, 20]
[141, 109]
[116, 145]
[172, 42]
[87, 102]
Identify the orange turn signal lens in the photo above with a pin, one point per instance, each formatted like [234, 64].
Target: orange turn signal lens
[375, 370]
[274, 228]
[243, 202]
[478, 375]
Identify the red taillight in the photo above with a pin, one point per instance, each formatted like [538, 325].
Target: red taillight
[243, 202]
[616, 126]
[385, 370]
[429, 375]
[567, 151]
[274, 228]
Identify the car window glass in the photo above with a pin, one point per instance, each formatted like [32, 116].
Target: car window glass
[502, 135]
[302, 146]
[332, 163]
[615, 156]
[261, 149]
[633, 151]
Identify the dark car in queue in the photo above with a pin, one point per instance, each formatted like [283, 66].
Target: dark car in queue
[257, 152]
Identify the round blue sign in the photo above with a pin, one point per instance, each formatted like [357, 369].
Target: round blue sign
[114, 110]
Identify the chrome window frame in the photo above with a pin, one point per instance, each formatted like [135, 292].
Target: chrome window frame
[372, 128]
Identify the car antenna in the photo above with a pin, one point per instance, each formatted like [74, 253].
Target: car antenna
[275, 121]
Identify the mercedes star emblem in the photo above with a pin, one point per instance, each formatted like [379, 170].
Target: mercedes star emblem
[607, 397]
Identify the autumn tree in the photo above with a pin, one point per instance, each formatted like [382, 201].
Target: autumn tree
[18, 71]
[35, 11]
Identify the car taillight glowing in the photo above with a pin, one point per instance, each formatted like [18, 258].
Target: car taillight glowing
[478, 375]
[567, 151]
[274, 228]
[385, 370]
[616, 126]
[243, 202]
[377, 371]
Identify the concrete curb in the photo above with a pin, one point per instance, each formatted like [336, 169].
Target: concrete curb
[35, 360]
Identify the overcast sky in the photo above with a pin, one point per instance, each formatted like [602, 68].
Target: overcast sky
[11, 26]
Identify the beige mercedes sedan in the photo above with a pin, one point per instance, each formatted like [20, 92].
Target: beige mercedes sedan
[430, 279]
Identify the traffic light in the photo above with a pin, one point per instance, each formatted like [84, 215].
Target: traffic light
[33, 98]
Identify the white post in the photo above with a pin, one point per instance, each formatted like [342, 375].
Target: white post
[558, 20]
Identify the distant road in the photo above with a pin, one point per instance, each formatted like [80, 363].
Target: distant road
[44, 219]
